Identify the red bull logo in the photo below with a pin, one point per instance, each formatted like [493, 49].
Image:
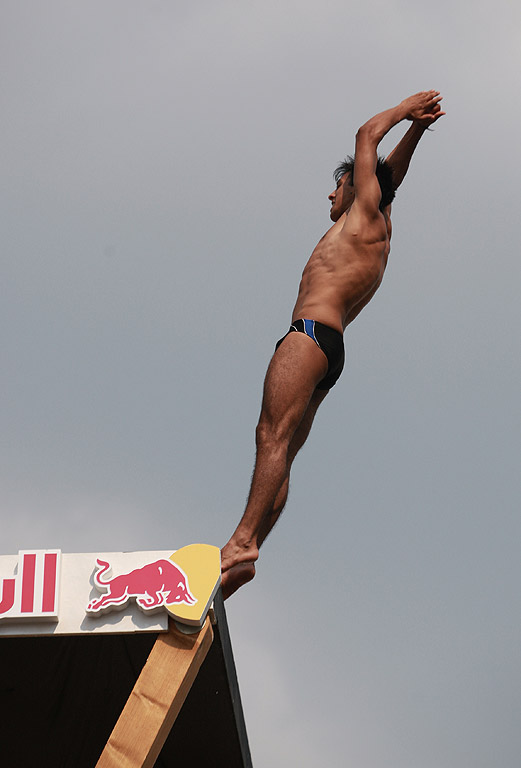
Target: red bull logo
[153, 586]
[184, 584]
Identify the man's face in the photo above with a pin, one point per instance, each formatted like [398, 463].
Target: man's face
[342, 197]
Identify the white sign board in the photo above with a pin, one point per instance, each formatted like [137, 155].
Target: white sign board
[46, 592]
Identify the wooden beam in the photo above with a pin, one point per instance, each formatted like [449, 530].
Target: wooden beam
[156, 699]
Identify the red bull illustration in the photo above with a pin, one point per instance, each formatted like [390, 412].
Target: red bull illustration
[153, 586]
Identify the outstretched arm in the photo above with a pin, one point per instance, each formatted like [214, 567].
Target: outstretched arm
[401, 155]
[423, 109]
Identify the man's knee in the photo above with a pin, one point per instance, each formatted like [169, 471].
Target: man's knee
[275, 434]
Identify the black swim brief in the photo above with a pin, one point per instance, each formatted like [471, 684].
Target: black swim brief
[330, 341]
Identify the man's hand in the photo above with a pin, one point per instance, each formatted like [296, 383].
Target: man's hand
[423, 108]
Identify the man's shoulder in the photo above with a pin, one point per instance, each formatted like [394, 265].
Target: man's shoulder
[361, 220]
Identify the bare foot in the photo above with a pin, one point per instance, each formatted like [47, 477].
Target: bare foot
[233, 554]
[235, 577]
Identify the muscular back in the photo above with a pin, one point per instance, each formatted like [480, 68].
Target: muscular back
[345, 269]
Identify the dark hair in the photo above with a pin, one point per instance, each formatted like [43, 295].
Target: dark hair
[384, 174]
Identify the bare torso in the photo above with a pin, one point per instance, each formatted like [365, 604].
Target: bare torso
[344, 271]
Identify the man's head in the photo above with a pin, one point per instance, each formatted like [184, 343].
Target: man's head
[343, 196]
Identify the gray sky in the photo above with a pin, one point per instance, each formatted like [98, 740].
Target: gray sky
[165, 171]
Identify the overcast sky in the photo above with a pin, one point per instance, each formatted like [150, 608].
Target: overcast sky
[165, 171]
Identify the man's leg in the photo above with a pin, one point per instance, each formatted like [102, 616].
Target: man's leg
[240, 574]
[294, 372]
[299, 438]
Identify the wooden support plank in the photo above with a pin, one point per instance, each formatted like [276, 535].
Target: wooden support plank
[156, 699]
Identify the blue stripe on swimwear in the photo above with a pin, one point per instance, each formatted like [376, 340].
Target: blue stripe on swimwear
[308, 328]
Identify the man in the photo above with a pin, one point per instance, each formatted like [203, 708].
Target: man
[341, 277]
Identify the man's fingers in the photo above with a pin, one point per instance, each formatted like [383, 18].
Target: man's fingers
[432, 107]
[424, 106]
[429, 119]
